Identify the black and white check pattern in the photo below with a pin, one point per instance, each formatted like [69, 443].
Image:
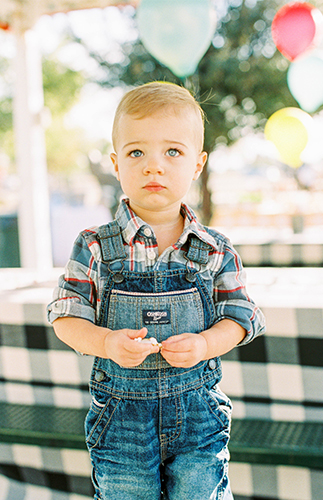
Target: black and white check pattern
[278, 376]
[11, 489]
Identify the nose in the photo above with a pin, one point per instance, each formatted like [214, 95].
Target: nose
[153, 165]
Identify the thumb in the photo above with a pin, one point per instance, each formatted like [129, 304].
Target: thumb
[133, 334]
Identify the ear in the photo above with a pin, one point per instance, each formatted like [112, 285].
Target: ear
[201, 160]
[114, 160]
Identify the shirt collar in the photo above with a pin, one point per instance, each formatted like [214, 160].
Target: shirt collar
[128, 221]
[130, 224]
[193, 226]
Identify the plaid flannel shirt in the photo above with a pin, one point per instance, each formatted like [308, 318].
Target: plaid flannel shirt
[79, 289]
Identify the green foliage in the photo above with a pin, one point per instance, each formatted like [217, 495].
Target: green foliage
[61, 86]
[245, 78]
[5, 115]
[63, 147]
[5, 99]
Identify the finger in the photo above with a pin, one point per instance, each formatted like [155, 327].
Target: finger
[137, 348]
[176, 347]
[174, 339]
[135, 358]
[133, 334]
[175, 357]
[141, 348]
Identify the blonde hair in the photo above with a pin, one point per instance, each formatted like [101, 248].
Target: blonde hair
[152, 97]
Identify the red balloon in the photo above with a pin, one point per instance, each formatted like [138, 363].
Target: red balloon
[4, 26]
[294, 28]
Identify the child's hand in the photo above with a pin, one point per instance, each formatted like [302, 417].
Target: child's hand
[121, 347]
[184, 350]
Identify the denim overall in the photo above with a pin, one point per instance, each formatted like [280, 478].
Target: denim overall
[156, 431]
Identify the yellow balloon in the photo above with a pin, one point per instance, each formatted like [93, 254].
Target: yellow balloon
[288, 129]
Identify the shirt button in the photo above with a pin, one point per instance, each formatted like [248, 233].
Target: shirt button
[147, 231]
[151, 255]
[212, 364]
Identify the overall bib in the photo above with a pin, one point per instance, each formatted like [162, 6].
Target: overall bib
[156, 431]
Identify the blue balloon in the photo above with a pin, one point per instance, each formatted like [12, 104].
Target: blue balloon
[305, 81]
[177, 32]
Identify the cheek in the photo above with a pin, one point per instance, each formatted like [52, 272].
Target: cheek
[127, 178]
[185, 178]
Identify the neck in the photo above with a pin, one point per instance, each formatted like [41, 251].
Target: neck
[168, 216]
[167, 233]
[167, 224]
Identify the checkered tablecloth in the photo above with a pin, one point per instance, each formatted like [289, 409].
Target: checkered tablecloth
[278, 376]
[257, 482]
[61, 470]
[35, 366]
[278, 247]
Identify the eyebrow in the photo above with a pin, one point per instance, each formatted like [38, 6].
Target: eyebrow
[176, 142]
[132, 144]
[167, 141]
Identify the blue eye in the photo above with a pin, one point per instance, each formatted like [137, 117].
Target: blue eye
[173, 152]
[136, 153]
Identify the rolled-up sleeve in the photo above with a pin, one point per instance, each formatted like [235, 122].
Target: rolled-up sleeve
[76, 293]
[231, 298]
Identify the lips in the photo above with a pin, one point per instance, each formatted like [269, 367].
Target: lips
[154, 187]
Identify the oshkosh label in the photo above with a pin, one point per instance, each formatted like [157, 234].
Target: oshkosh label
[156, 317]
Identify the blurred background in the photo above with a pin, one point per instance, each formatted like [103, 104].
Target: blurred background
[90, 57]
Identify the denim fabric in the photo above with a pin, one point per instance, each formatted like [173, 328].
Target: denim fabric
[167, 430]
[184, 306]
[156, 431]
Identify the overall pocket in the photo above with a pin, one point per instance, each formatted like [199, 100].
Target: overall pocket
[163, 314]
[99, 418]
[218, 403]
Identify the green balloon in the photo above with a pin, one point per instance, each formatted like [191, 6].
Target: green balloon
[305, 81]
[176, 32]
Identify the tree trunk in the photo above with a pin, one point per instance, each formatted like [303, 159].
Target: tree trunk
[206, 208]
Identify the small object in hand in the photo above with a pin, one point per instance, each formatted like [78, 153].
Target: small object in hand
[151, 341]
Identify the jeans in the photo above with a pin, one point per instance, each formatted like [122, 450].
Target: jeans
[143, 443]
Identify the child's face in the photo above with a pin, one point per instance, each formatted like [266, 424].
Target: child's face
[157, 158]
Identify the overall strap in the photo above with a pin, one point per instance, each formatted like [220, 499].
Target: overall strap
[198, 250]
[110, 238]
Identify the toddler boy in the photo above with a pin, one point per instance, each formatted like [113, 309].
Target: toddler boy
[158, 420]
